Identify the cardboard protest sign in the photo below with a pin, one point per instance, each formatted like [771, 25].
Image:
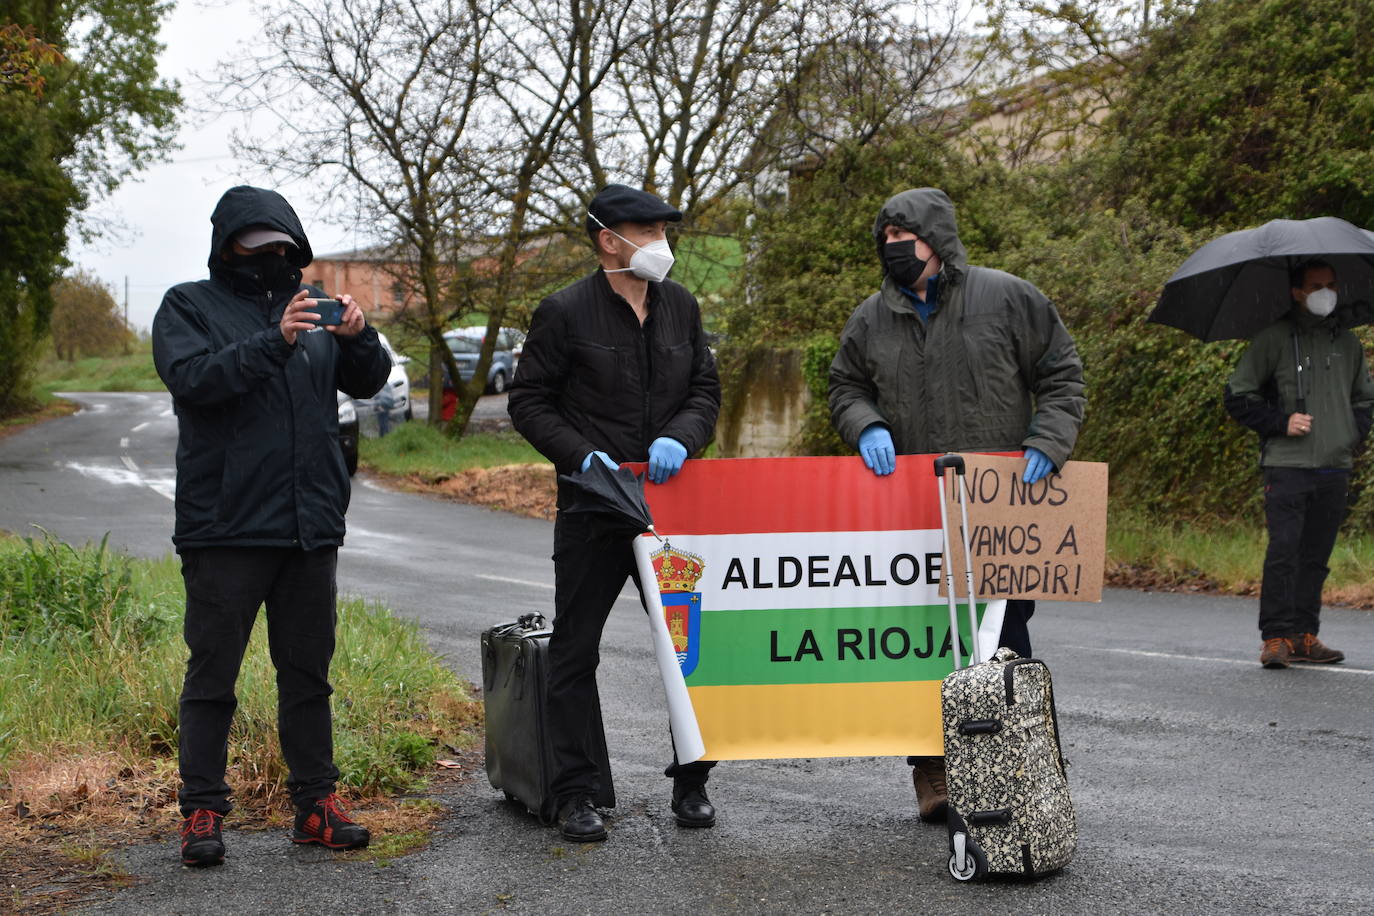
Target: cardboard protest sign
[796, 613]
[1045, 540]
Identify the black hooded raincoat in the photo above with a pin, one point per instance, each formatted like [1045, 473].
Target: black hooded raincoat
[258, 459]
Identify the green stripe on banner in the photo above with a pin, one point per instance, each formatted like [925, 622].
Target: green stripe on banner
[826, 645]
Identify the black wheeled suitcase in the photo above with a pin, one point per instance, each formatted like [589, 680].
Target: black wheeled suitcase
[1009, 806]
[515, 676]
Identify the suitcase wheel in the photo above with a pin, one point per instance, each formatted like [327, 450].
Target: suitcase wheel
[510, 797]
[975, 865]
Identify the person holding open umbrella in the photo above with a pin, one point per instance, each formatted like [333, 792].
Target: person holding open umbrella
[1304, 386]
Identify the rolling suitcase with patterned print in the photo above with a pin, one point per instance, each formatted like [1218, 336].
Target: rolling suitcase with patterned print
[1009, 805]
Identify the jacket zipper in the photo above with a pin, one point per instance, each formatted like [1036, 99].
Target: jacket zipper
[645, 381]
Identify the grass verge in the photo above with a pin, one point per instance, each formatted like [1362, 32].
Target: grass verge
[498, 470]
[134, 372]
[1219, 556]
[91, 661]
[415, 448]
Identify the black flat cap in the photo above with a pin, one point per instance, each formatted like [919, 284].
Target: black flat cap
[618, 203]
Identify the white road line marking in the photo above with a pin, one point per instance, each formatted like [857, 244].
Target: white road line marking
[127, 476]
[124, 442]
[525, 582]
[129, 463]
[544, 585]
[1334, 669]
[142, 426]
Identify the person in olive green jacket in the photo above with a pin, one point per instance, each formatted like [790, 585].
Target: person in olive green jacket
[1307, 445]
[950, 357]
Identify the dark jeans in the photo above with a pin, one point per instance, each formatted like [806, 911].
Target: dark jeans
[1015, 629]
[1303, 510]
[591, 562]
[225, 586]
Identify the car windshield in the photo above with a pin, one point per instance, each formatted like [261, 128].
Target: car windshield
[463, 345]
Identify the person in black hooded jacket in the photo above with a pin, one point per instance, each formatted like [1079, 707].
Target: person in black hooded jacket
[260, 501]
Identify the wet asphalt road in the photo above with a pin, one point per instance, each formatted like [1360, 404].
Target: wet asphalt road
[1204, 784]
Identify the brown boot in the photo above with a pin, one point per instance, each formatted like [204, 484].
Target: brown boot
[932, 798]
[1276, 652]
[1308, 648]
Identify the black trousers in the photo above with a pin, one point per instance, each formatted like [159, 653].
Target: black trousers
[1303, 510]
[591, 562]
[1015, 629]
[225, 586]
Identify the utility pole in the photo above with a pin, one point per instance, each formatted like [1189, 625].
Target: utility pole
[128, 331]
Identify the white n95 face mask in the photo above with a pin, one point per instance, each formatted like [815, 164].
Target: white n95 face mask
[649, 262]
[1321, 302]
[653, 261]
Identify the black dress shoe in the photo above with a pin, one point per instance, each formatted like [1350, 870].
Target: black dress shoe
[581, 823]
[692, 808]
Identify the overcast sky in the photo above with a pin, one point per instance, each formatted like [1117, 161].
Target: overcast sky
[167, 208]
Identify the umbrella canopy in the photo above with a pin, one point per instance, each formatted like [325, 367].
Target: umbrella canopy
[617, 496]
[1237, 285]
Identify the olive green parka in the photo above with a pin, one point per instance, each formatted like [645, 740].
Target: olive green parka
[993, 369]
[1263, 391]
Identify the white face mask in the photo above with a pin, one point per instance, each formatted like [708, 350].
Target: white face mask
[1321, 302]
[649, 262]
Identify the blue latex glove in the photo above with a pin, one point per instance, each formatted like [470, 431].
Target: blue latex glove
[605, 459]
[1037, 465]
[665, 458]
[875, 445]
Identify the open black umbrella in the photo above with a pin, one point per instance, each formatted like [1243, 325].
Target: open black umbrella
[1237, 285]
[615, 495]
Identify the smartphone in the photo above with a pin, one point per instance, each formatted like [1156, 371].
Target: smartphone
[330, 311]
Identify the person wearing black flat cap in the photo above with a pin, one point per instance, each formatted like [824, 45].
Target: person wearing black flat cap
[615, 369]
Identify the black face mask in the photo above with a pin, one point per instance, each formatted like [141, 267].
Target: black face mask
[270, 270]
[902, 263]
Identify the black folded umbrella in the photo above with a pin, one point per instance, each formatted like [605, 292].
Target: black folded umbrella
[1237, 285]
[615, 495]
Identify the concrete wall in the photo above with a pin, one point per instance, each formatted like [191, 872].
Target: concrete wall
[764, 413]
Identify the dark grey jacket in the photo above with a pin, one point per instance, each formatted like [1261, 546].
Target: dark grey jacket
[258, 460]
[994, 369]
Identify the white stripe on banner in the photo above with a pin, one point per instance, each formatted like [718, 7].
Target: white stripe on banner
[746, 572]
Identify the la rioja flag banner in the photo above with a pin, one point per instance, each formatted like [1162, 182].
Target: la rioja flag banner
[798, 612]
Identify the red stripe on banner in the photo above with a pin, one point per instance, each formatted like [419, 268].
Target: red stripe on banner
[760, 495]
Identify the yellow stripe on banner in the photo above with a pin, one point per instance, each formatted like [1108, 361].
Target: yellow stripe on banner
[819, 720]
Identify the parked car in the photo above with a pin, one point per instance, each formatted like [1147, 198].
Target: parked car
[466, 344]
[397, 383]
[348, 432]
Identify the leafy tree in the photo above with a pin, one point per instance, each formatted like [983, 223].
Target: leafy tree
[81, 108]
[1241, 111]
[86, 319]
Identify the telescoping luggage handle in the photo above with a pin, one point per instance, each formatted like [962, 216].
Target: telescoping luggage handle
[956, 464]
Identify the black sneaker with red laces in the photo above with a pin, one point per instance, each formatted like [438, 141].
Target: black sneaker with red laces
[201, 842]
[327, 823]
